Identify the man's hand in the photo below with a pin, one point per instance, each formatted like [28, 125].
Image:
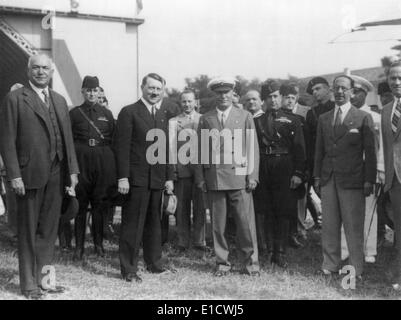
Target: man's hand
[202, 185]
[381, 176]
[251, 185]
[169, 186]
[74, 180]
[295, 182]
[367, 189]
[123, 186]
[316, 186]
[18, 186]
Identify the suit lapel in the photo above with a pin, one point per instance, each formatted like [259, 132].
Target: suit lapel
[232, 116]
[161, 113]
[58, 110]
[214, 120]
[329, 123]
[145, 114]
[30, 98]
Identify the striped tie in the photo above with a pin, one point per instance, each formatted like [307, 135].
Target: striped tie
[396, 117]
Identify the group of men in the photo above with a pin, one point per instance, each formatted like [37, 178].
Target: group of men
[255, 165]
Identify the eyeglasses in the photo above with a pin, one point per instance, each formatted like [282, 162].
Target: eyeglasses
[343, 89]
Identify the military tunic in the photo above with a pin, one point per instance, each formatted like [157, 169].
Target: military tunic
[282, 155]
[97, 166]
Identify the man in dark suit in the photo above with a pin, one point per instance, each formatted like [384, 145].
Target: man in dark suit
[143, 178]
[228, 178]
[391, 129]
[38, 151]
[345, 169]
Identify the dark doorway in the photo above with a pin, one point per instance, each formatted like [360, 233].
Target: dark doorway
[13, 65]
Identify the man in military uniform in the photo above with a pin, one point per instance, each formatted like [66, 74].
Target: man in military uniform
[290, 96]
[282, 166]
[320, 89]
[92, 128]
[229, 181]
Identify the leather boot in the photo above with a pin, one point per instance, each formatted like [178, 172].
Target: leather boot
[269, 235]
[97, 230]
[80, 227]
[281, 244]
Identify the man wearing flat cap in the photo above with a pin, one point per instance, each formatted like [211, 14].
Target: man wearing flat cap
[38, 152]
[93, 129]
[361, 89]
[227, 178]
[282, 169]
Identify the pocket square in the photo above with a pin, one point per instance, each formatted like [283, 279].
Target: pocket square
[354, 131]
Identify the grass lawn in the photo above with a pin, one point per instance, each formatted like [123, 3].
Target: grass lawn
[97, 278]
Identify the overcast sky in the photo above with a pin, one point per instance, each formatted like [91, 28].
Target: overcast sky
[262, 38]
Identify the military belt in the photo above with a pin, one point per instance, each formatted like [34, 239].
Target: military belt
[93, 142]
[274, 151]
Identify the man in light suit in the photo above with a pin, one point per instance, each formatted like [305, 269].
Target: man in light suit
[391, 128]
[187, 123]
[345, 169]
[38, 152]
[228, 178]
[142, 178]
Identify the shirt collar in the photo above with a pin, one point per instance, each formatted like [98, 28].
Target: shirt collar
[39, 91]
[149, 106]
[258, 113]
[344, 108]
[226, 112]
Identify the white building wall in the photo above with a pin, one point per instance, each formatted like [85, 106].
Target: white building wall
[98, 48]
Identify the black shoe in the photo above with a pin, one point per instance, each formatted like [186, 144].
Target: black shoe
[99, 251]
[54, 290]
[33, 294]
[294, 242]
[154, 269]
[78, 255]
[181, 249]
[221, 273]
[200, 248]
[253, 273]
[132, 277]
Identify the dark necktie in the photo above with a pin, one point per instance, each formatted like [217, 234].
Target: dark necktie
[396, 117]
[222, 120]
[337, 121]
[46, 98]
[154, 112]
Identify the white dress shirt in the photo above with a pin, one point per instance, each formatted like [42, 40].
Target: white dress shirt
[344, 111]
[225, 112]
[39, 91]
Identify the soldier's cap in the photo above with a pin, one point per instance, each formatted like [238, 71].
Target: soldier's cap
[289, 88]
[221, 83]
[90, 82]
[362, 83]
[268, 87]
[314, 81]
[383, 88]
